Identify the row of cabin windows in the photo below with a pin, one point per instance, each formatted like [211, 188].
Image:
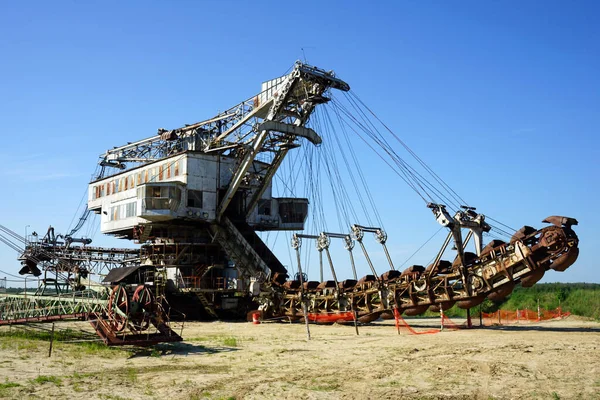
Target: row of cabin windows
[163, 197]
[123, 211]
[154, 174]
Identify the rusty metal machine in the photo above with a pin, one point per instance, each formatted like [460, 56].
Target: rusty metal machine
[196, 199]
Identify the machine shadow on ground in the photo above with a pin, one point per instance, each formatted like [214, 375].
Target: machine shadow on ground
[180, 349]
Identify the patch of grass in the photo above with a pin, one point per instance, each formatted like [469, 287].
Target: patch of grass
[198, 368]
[76, 387]
[6, 389]
[112, 397]
[8, 385]
[19, 344]
[230, 341]
[132, 375]
[40, 380]
[155, 353]
[555, 396]
[326, 387]
[77, 375]
[323, 385]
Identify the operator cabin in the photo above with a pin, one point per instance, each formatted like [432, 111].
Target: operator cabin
[186, 187]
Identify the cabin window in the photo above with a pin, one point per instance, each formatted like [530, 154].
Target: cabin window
[160, 173]
[114, 213]
[168, 171]
[176, 169]
[130, 209]
[162, 198]
[264, 207]
[293, 212]
[139, 178]
[194, 198]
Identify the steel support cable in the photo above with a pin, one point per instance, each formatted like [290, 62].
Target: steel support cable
[15, 246]
[13, 280]
[497, 229]
[352, 178]
[360, 172]
[439, 179]
[401, 164]
[498, 222]
[361, 175]
[486, 234]
[384, 143]
[332, 171]
[419, 179]
[13, 234]
[344, 201]
[86, 212]
[13, 276]
[310, 191]
[336, 203]
[423, 164]
[288, 239]
[404, 178]
[77, 210]
[344, 198]
[501, 231]
[11, 244]
[328, 129]
[315, 191]
[419, 249]
[409, 181]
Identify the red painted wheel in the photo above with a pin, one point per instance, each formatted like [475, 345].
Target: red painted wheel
[142, 308]
[118, 308]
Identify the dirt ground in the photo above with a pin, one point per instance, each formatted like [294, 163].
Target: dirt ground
[549, 360]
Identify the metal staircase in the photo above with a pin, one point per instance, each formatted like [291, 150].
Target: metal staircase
[239, 250]
[208, 306]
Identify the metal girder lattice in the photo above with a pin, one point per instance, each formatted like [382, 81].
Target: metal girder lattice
[22, 308]
[76, 259]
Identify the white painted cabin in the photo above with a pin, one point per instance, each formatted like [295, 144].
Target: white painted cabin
[186, 187]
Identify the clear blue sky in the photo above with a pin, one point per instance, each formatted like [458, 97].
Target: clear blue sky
[501, 98]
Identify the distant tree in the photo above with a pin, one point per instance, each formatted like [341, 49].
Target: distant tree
[562, 294]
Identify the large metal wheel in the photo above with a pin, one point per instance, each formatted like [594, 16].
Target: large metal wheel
[118, 308]
[142, 305]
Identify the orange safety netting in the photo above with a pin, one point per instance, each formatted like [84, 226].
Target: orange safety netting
[446, 322]
[519, 316]
[330, 318]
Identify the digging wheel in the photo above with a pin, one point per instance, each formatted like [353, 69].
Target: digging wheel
[118, 308]
[142, 308]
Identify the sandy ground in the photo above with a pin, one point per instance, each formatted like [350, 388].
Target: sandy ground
[549, 360]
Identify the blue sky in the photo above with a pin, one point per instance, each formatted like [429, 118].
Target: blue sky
[500, 98]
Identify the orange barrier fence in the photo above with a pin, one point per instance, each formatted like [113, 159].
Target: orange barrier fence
[501, 317]
[446, 322]
[330, 318]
